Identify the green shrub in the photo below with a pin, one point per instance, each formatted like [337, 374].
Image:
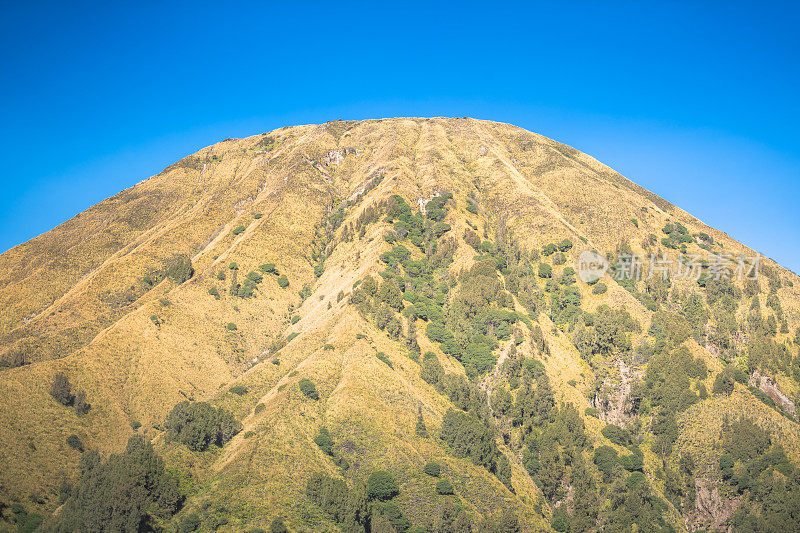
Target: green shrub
[233, 266]
[634, 480]
[199, 425]
[605, 457]
[75, 443]
[214, 292]
[268, 268]
[381, 486]
[324, 441]
[61, 390]
[255, 277]
[565, 245]
[433, 469]
[308, 388]
[617, 435]
[283, 282]
[559, 259]
[239, 390]
[259, 408]
[80, 404]
[421, 430]
[631, 462]
[329, 493]
[724, 383]
[295, 319]
[591, 411]
[179, 268]
[438, 333]
[382, 356]
[238, 229]
[258, 215]
[477, 359]
[560, 520]
[444, 487]
[190, 523]
[545, 270]
[231, 326]
[726, 465]
[432, 371]
[277, 526]
[744, 440]
[599, 288]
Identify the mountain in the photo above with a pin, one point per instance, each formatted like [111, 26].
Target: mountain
[298, 325]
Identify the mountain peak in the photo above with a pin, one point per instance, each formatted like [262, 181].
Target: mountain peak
[351, 306]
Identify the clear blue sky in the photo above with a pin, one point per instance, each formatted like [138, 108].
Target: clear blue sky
[697, 102]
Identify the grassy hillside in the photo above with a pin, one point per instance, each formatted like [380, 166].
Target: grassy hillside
[416, 271]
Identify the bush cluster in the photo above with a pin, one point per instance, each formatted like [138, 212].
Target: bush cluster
[199, 425]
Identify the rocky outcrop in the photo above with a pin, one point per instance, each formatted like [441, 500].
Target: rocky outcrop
[336, 157]
[768, 386]
[711, 512]
[613, 403]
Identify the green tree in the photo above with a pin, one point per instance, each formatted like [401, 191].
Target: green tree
[61, 390]
[81, 404]
[433, 469]
[420, 429]
[324, 441]
[605, 457]
[126, 493]
[431, 371]
[74, 442]
[444, 487]
[617, 435]
[199, 425]
[308, 388]
[381, 486]
[725, 381]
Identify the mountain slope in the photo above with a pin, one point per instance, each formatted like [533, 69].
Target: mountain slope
[93, 299]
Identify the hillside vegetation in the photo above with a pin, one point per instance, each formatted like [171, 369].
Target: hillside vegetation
[383, 326]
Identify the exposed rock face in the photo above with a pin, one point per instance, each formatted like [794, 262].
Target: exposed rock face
[336, 157]
[711, 512]
[768, 386]
[614, 403]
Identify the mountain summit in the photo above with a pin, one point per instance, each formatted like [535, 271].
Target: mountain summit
[409, 324]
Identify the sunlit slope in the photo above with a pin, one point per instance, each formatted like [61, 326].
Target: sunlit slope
[89, 299]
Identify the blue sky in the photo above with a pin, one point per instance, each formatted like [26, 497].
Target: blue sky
[697, 102]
